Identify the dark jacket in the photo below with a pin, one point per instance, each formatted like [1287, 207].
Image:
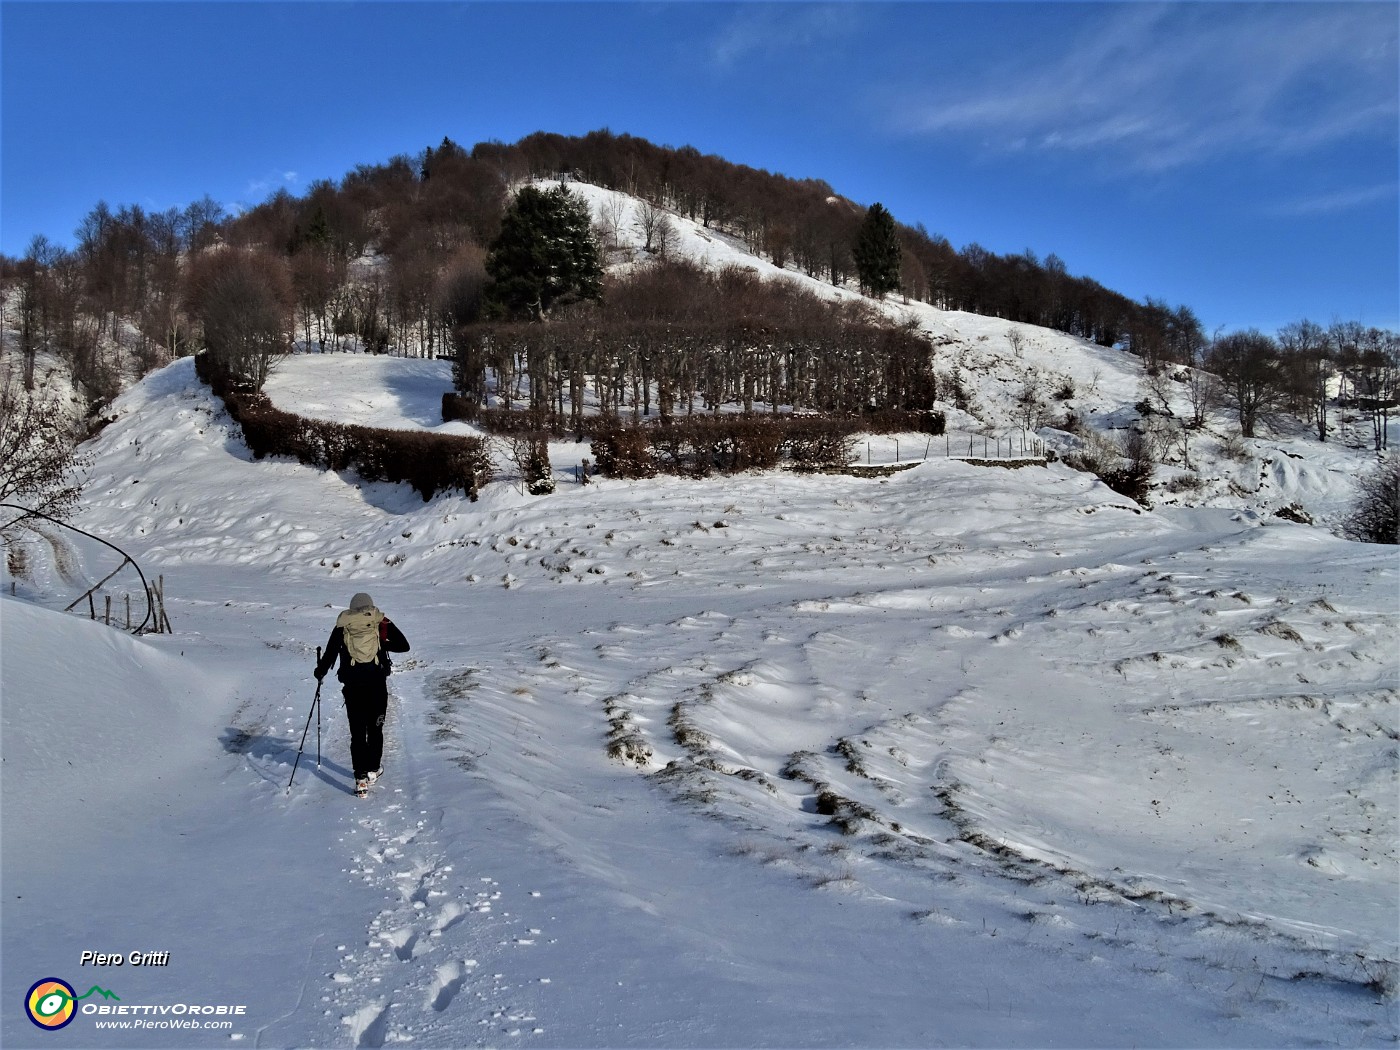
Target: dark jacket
[391, 640]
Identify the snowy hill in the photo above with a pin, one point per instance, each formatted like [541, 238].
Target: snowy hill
[998, 361]
[960, 756]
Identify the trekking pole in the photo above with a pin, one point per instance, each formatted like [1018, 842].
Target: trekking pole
[315, 707]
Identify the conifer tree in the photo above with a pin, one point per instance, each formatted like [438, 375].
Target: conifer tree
[877, 252]
[544, 256]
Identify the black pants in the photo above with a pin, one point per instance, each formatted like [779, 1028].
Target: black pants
[366, 704]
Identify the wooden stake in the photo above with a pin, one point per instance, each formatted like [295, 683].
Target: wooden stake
[162, 620]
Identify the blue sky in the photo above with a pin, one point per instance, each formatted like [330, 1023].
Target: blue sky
[1240, 159]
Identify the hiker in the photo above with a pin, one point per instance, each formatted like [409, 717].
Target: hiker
[363, 638]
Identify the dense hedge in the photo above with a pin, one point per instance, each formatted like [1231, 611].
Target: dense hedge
[702, 443]
[431, 463]
[509, 421]
[697, 446]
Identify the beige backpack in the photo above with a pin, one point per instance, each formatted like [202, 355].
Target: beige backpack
[360, 629]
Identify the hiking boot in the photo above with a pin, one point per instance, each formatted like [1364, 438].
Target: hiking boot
[361, 787]
[375, 775]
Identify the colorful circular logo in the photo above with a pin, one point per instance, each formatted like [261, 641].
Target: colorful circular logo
[50, 1004]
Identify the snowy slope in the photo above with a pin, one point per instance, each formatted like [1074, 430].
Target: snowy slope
[998, 360]
[961, 756]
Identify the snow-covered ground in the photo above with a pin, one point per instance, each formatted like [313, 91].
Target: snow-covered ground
[961, 756]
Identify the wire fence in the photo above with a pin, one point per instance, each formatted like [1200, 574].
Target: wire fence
[97, 598]
[1019, 446]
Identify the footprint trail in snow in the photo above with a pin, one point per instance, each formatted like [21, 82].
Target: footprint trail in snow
[434, 961]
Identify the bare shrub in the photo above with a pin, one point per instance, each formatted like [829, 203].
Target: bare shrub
[1235, 448]
[1124, 465]
[1186, 483]
[1375, 516]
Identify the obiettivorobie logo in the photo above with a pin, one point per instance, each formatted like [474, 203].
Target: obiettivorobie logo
[52, 1003]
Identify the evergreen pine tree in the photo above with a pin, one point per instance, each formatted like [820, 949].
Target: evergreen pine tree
[545, 254]
[877, 252]
[312, 233]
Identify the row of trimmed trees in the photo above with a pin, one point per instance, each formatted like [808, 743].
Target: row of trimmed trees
[838, 365]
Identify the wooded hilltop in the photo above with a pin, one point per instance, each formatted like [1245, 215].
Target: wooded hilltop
[428, 255]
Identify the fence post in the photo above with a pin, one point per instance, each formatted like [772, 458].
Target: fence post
[161, 617]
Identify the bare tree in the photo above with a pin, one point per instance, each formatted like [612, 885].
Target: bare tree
[1308, 367]
[610, 220]
[1203, 393]
[530, 454]
[1369, 359]
[1157, 386]
[39, 464]
[315, 277]
[461, 288]
[1031, 408]
[244, 302]
[1017, 339]
[665, 236]
[1248, 365]
[1175, 434]
[649, 221]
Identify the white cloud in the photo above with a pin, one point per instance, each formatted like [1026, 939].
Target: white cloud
[1155, 87]
[1338, 200]
[764, 30]
[271, 182]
